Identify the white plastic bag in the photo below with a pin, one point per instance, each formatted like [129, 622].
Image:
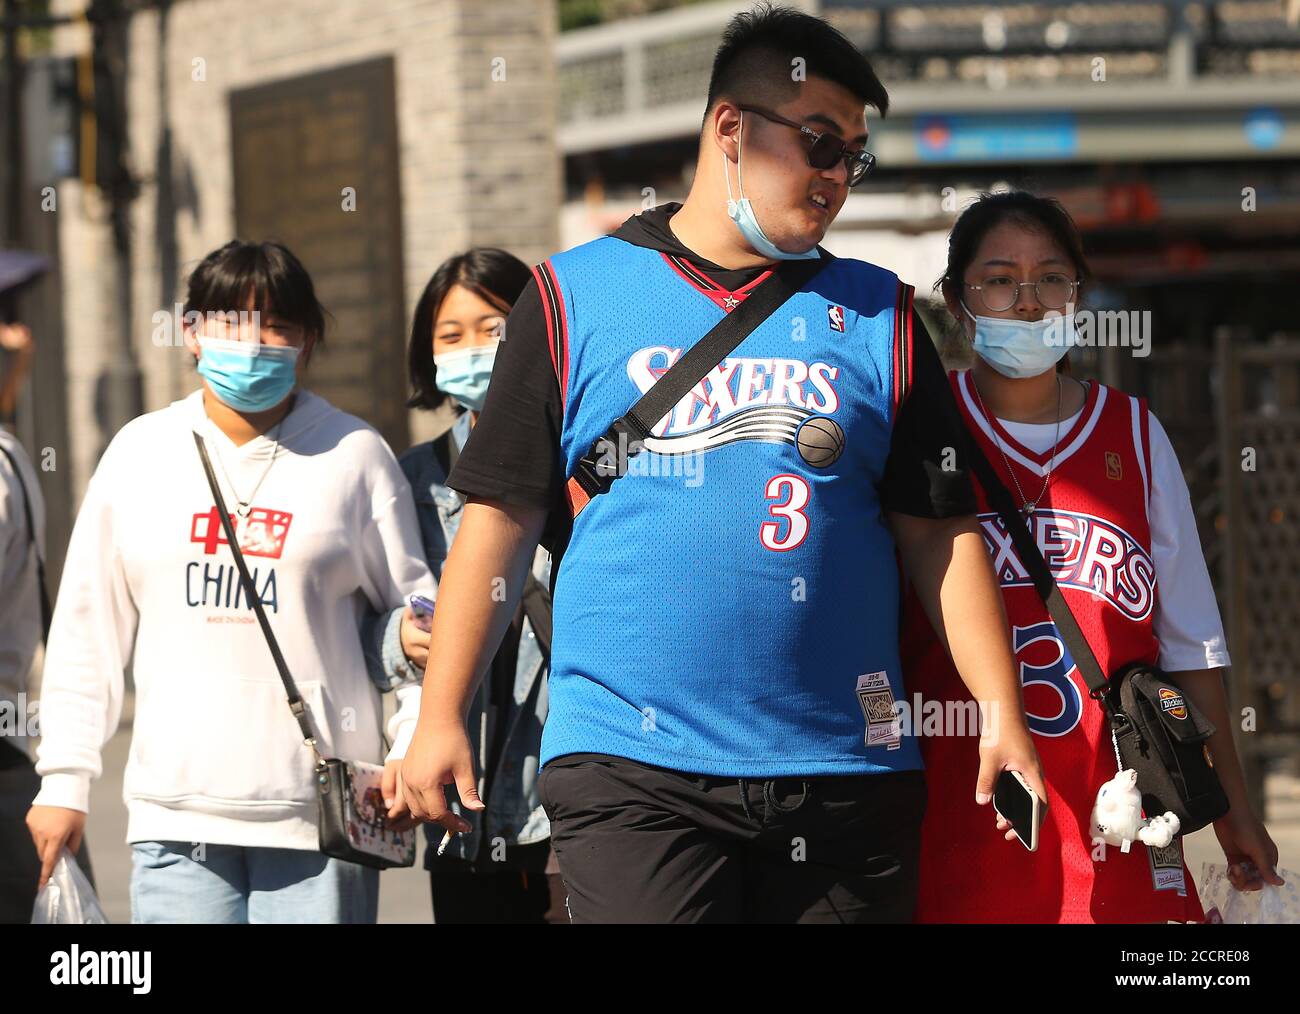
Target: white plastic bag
[68, 898]
[1224, 903]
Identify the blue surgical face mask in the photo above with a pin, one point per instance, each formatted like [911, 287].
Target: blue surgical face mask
[742, 212]
[464, 373]
[1023, 348]
[248, 376]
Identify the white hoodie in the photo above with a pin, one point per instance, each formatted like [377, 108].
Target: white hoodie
[216, 755]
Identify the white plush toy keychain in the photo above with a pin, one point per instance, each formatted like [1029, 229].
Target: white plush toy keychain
[1117, 816]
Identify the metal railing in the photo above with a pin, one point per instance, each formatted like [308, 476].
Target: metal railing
[644, 79]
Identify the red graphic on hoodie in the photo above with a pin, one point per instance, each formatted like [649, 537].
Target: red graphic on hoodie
[262, 533]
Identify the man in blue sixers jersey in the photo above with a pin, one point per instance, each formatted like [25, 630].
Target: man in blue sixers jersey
[725, 647]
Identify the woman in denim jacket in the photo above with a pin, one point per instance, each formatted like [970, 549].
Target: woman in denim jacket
[502, 870]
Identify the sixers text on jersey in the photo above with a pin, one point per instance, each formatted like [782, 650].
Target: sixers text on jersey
[1083, 551]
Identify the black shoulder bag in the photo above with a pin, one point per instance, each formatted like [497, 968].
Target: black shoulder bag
[607, 459]
[353, 821]
[1156, 730]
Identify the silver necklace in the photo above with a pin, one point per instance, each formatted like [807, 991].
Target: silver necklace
[244, 505]
[1027, 507]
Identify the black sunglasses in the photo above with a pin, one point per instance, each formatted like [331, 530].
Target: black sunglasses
[825, 148]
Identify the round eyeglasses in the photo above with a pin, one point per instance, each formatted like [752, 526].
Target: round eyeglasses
[1053, 291]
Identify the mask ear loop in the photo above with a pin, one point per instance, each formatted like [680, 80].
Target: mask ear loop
[740, 155]
[726, 170]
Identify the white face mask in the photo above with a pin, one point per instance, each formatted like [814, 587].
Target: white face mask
[1023, 348]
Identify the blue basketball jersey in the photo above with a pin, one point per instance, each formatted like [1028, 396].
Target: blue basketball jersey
[730, 607]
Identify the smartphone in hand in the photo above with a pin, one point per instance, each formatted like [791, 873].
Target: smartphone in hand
[1018, 804]
[422, 610]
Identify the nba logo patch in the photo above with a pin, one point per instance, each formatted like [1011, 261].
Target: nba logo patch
[1114, 467]
[836, 316]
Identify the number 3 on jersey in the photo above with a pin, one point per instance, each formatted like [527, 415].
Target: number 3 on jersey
[1051, 669]
[791, 493]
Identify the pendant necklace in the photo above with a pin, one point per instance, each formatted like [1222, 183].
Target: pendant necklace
[1027, 506]
[243, 505]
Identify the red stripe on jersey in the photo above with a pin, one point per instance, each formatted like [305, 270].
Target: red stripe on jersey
[902, 344]
[745, 289]
[550, 323]
[725, 299]
[557, 327]
[911, 296]
[697, 278]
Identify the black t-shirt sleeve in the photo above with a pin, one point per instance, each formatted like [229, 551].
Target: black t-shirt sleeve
[928, 435]
[513, 451]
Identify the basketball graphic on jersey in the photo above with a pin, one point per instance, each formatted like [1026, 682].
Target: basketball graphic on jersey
[820, 441]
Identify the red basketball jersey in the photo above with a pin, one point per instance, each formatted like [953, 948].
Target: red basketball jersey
[1093, 529]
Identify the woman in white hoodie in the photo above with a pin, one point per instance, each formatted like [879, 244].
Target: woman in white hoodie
[219, 785]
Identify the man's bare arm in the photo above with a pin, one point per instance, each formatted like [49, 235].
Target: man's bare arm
[948, 564]
[482, 581]
[481, 584]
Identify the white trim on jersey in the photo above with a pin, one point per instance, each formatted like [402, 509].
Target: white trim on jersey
[1140, 450]
[963, 380]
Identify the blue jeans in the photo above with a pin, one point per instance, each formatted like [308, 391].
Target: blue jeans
[192, 883]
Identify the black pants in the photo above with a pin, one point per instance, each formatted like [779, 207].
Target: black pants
[20, 866]
[638, 843]
[529, 891]
[496, 898]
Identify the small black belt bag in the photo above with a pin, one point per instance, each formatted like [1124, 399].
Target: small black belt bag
[1156, 730]
[353, 820]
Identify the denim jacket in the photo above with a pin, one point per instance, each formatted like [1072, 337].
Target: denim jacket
[514, 812]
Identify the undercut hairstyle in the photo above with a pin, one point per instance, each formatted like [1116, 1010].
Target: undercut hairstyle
[495, 276]
[266, 274]
[755, 62]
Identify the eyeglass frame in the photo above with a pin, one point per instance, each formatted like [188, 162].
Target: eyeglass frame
[845, 154]
[1074, 288]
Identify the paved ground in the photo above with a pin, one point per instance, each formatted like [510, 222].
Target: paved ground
[404, 894]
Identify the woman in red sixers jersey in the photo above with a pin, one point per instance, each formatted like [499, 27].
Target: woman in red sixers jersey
[1100, 487]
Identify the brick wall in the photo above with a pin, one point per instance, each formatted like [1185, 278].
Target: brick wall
[475, 87]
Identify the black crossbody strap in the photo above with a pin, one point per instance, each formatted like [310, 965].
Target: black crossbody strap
[595, 471]
[296, 704]
[40, 557]
[1032, 559]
